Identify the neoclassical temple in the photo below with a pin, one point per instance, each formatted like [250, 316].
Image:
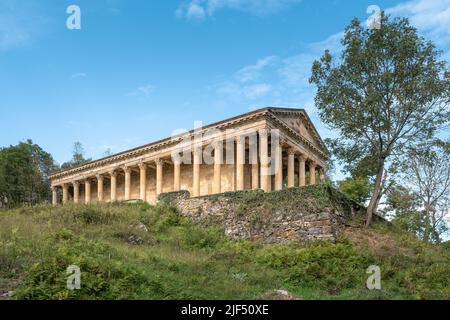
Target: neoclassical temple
[268, 149]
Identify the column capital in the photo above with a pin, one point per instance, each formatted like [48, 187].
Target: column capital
[76, 183]
[292, 151]
[302, 157]
[159, 162]
[198, 148]
[126, 169]
[240, 139]
[99, 177]
[87, 181]
[263, 132]
[113, 173]
[218, 143]
[142, 165]
[313, 163]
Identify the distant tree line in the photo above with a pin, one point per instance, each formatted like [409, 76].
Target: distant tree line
[25, 171]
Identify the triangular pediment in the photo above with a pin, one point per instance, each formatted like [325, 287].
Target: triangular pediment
[301, 123]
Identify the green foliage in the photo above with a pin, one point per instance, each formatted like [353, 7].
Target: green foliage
[403, 205]
[179, 260]
[387, 90]
[24, 175]
[358, 189]
[327, 267]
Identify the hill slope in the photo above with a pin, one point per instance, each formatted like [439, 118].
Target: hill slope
[144, 252]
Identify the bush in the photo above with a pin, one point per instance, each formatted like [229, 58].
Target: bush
[104, 275]
[325, 266]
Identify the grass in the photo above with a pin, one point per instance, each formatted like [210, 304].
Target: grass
[175, 259]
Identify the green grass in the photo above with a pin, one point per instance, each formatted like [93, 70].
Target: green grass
[178, 260]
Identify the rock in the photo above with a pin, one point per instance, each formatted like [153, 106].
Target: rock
[135, 240]
[142, 226]
[282, 292]
[139, 226]
[278, 295]
[8, 294]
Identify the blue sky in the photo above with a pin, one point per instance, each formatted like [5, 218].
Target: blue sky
[138, 69]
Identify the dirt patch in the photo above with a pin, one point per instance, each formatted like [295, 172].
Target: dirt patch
[377, 243]
[7, 287]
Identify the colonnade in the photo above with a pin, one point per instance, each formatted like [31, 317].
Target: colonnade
[266, 163]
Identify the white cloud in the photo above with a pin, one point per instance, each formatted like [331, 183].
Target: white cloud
[236, 92]
[254, 72]
[143, 91]
[256, 91]
[195, 11]
[332, 43]
[199, 9]
[431, 17]
[78, 75]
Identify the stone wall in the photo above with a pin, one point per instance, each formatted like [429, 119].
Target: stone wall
[297, 214]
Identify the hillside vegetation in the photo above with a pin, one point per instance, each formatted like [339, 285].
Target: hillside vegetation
[137, 251]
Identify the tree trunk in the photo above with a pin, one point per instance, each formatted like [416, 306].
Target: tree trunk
[427, 227]
[375, 195]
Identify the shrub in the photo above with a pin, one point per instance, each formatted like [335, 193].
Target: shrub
[326, 266]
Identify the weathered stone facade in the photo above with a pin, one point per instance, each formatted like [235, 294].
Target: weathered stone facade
[300, 214]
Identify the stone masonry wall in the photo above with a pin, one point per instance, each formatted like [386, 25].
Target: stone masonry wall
[297, 214]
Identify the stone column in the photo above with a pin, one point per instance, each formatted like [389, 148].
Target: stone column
[143, 181]
[76, 192]
[253, 157]
[264, 156]
[54, 197]
[302, 171]
[196, 171]
[255, 176]
[65, 188]
[279, 168]
[113, 176]
[100, 180]
[322, 175]
[159, 176]
[177, 175]
[240, 163]
[218, 160]
[291, 169]
[312, 172]
[127, 171]
[87, 191]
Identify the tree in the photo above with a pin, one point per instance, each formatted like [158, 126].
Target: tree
[357, 189]
[78, 157]
[24, 174]
[107, 153]
[387, 90]
[403, 207]
[427, 173]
